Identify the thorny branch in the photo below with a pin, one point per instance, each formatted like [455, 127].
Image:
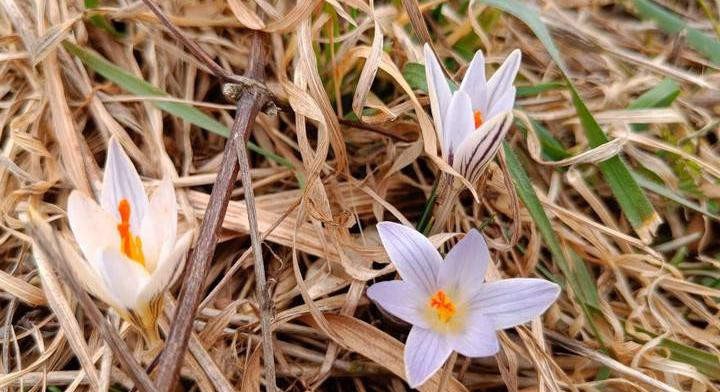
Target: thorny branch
[251, 99]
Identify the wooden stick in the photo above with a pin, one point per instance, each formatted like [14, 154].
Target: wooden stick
[252, 96]
[261, 289]
[249, 105]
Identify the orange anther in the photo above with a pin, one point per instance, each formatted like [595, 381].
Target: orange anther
[478, 118]
[443, 305]
[130, 246]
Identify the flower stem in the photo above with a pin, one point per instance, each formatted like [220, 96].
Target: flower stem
[447, 372]
[448, 190]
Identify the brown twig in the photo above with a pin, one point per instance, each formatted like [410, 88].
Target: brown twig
[252, 96]
[251, 101]
[49, 244]
[261, 287]
[202, 56]
[257, 71]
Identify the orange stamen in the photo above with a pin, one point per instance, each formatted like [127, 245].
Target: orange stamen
[443, 305]
[130, 246]
[478, 119]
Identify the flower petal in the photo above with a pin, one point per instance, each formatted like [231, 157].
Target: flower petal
[123, 277]
[511, 302]
[459, 125]
[504, 104]
[168, 270]
[85, 273]
[159, 226]
[503, 78]
[438, 90]
[479, 338]
[121, 181]
[402, 299]
[480, 147]
[475, 84]
[94, 229]
[425, 353]
[414, 256]
[464, 268]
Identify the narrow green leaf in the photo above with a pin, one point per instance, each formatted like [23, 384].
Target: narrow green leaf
[672, 23]
[552, 149]
[423, 225]
[529, 91]
[101, 21]
[660, 96]
[705, 362]
[633, 201]
[585, 281]
[661, 190]
[537, 212]
[140, 87]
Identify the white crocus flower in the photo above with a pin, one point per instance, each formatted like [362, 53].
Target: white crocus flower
[472, 122]
[448, 303]
[129, 242]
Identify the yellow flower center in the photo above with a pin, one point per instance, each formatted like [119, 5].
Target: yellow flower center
[443, 306]
[478, 118]
[130, 246]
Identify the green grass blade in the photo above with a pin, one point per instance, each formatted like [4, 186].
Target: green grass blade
[529, 91]
[552, 149]
[537, 212]
[585, 281]
[634, 203]
[101, 21]
[661, 190]
[705, 362]
[671, 23]
[140, 87]
[711, 370]
[423, 225]
[660, 96]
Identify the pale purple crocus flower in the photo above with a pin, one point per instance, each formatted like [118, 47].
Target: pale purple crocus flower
[448, 303]
[472, 122]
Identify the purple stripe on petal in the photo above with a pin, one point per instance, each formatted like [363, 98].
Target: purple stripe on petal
[478, 338]
[425, 353]
[414, 257]
[402, 299]
[463, 271]
[480, 147]
[511, 302]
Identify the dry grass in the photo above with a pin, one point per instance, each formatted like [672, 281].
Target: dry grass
[647, 320]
